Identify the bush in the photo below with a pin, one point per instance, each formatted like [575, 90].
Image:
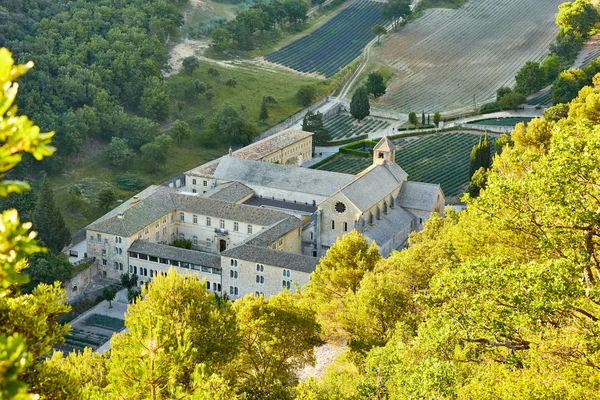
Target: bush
[306, 95]
[182, 243]
[198, 120]
[129, 182]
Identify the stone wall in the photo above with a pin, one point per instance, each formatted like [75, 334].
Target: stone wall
[76, 286]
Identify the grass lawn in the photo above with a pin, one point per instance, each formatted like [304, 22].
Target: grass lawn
[91, 173]
[253, 83]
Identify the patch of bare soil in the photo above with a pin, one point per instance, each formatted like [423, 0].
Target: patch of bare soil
[324, 354]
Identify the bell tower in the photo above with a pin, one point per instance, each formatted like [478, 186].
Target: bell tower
[384, 152]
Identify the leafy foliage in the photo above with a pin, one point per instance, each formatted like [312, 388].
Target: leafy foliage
[359, 105]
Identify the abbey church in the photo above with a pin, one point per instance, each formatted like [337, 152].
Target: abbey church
[257, 221]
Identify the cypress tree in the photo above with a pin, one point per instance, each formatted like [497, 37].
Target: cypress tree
[48, 221]
[422, 117]
[359, 106]
[264, 112]
[480, 156]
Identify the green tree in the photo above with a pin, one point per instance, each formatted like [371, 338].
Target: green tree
[228, 121]
[221, 38]
[48, 220]
[437, 117]
[480, 156]
[535, 136]
[155, 102]
[156, 152]
[412, 119]
[118, 152]
[477, 183]
[378, 31]
[530, 78]
[28, 323]
[375, 84]
[576, 18]
[190, 64]
[183, 243]
[556, 113]
[395, 11]
[47, 268]
[106, 197]
[277, 337]
[512, 100]
[501, 92]
[108, 294]
[306, 95]
[313, 122]
[359, 105]
[567, 85]
[181, 131]
[264, 112]
[129, 281]
[172, 343]
[339, 271]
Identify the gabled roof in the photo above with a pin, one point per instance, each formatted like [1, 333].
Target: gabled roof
[297, 179]
[276, 258]
[230, 192]
[383, 230]
[255, 151]
[271, 234]
[373, 184]
[135, 215]
[385, 144]
[419, 195]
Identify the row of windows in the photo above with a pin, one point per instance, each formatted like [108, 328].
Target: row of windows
[204, 183]
[345, 224]
[236, 225]
[195, 240]
[174, 263]
[216, 287]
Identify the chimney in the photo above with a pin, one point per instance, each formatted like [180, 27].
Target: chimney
[135, 199]
[120, 216]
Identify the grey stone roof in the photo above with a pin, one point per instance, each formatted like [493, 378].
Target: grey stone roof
[222, 209]
[269, 235]
[373, 184]
[231, 192]
[262, 255]
[255, 151]
[418, 195]
[297, 179]
[165, 200]
[389, 225]
[385, 144]
[176, 253]
[135, 215]
[271, 144]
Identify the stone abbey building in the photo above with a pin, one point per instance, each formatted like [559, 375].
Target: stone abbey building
[258, 222]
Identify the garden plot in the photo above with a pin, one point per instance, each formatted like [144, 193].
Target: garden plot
[454, 59]
[332, 46]
[441, 158]
[93, 332]
[343, 126]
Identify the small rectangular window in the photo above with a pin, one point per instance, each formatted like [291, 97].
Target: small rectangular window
[205, 183]
[222, 224]
[208, 222]
[195, 219]
[345, 227]
[99, 237]
[332, 224]
[193, 181]
[236, 227]
[249, 228]
[152, 258]
[181, 217]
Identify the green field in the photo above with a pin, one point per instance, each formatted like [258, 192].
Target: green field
[508, 121]
[340, 126]
[89, 170]
[439, 158]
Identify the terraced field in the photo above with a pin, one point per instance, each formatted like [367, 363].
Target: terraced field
[440, 158]
[451, 59]
[332, 46]
[340, 126]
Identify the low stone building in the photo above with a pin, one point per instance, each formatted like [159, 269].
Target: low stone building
[258, 227]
